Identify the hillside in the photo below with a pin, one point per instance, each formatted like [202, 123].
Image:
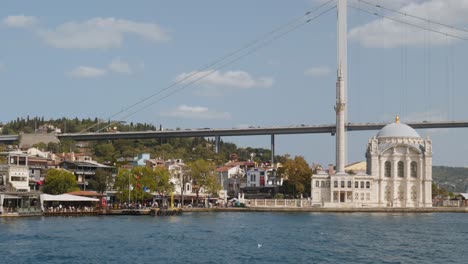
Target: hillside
[121, 151]
[454, 179]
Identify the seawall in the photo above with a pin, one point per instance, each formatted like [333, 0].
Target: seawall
[333, 210]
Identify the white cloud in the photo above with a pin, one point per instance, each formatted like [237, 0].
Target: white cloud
[119, 66]
[385, 33]
[87, 72]
[100, 33]
[20, 21]
[197, 112]
[232, 79]
[318, 71]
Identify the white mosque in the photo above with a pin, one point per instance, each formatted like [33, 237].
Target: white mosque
[399, 174]
[399, 161]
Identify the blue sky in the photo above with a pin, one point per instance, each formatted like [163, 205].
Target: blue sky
[95, 58]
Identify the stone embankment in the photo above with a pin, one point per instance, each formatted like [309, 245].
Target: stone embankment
[332, 210]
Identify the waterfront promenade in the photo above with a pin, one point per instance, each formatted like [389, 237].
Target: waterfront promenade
[332, 210]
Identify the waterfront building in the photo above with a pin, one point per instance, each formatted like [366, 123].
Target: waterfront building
[84, 170]
[263, 177]
[179, 179]
[14, 175]
[262, 183]
[399, 174]
[15, 195]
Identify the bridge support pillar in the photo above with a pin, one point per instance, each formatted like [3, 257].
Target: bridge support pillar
[272, 149]
[217, 141]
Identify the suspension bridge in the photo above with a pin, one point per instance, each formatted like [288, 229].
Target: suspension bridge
[381, 11]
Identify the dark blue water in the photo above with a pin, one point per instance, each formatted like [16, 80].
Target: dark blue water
[235, 238]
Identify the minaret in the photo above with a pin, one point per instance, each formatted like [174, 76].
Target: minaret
[342, 73]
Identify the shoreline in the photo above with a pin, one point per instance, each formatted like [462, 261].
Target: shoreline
[333, 210]
[258, 210]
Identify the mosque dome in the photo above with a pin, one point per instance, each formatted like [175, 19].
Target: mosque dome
[397, 129]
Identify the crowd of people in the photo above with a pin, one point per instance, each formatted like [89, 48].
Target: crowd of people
[68, 209]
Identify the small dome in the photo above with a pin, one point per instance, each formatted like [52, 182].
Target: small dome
[397, 130]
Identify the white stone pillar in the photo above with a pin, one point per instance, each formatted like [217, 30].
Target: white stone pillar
[408, 201]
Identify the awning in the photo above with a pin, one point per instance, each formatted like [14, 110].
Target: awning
[11, 197]
[66, 198]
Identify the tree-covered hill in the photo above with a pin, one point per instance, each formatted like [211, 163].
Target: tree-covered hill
[66, 125]
[453, 179]
[119, 151]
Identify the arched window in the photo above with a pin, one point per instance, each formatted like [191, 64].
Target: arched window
[401, 169]
[342, 184]
[356, 184]
[317, 183]
[322, 184]
[362, 185]
[414, 169]
[349, 184]
[388, 169]
[367, 184]
[335, 184]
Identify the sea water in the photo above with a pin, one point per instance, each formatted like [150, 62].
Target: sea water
[237, 237]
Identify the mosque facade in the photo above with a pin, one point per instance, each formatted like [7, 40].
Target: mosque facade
[399, 174]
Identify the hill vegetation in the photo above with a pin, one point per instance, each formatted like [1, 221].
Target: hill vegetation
[453, 179]
[119, 151]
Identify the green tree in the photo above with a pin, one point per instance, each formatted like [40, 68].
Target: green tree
[202, 172]
[59, 181]
[163, 186]
[297, 174]
[123, 182]
[102, 179]
[105, 151]
[212, 185]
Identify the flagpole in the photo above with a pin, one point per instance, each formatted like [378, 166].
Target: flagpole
[129, 189]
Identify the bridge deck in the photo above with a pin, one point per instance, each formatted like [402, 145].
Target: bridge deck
[251, 131]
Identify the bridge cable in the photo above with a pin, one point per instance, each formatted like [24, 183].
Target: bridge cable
[410, 24]
[414, 16]
[265, 43]
[215, 62]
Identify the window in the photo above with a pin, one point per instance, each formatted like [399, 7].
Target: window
[349, 184]
[253, 177]
[317, 183]
[401, 169]
[388, 169]
[17, 178]
[362, 185]
[414, 169]
[356, 184]
[335, 184]
[322, 184]
[342, 184]
[328, 184]
[335, 195]
[367, 184]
